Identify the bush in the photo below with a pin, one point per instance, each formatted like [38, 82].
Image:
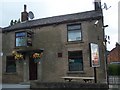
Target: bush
[114, 69]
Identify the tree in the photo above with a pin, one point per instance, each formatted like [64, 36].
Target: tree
[11, 23]
[14, 22]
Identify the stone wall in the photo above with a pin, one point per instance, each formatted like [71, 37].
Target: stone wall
[53, 39]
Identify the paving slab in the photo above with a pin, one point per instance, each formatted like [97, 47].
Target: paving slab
[14, 86]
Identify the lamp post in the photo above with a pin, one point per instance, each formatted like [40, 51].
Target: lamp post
[105, 43]
[95, 58]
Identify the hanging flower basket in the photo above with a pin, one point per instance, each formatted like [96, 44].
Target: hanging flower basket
[37, 57]
[17, 56]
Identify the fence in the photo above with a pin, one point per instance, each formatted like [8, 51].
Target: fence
[114, 80]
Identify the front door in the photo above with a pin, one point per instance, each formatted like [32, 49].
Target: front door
[32, 69]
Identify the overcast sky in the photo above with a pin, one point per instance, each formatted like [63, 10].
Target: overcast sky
[11, 9]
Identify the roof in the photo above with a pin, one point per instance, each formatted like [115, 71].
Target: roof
[56, 20]
[115, 50]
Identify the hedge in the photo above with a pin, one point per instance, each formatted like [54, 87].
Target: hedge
[114, 69]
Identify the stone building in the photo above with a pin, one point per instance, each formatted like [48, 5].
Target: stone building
[64, 42]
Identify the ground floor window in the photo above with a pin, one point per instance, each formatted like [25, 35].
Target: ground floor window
[75, 59]
[10, 64]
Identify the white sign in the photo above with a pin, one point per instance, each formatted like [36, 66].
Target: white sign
[94, 52]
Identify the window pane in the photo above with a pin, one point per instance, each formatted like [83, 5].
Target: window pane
[21, 41]
[75, 61]
[74, 32]
[75, 67]
[21, 34]
[73, 27]
[10, 64]
[74, 35]
[75, 54]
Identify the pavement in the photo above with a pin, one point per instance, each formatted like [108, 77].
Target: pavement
[15, 86]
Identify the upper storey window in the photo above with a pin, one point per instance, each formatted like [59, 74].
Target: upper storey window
[23, 39]
[74, 32]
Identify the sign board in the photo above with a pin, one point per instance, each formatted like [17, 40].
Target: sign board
[94, 55]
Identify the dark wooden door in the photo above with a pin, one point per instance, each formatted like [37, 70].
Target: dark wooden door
[32, 69]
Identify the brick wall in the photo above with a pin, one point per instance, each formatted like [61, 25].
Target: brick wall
[114, 55]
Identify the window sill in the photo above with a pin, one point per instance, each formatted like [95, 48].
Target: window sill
[10, 73]
[75, 72]
[19, 47]
[74, 42]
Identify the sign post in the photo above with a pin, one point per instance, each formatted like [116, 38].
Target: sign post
[94, 58]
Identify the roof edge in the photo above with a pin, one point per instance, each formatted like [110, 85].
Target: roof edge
[51, 20]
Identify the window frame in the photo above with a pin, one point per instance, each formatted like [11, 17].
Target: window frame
[74, 56]
[75, 30]
[19, 36]
[8, 60]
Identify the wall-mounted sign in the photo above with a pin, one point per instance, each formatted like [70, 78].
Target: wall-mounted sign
[94, 55]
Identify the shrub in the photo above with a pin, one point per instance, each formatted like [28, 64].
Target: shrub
[114, 69]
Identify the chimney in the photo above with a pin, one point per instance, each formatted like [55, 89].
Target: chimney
[97, 5]
[117, 44]
[24, 15]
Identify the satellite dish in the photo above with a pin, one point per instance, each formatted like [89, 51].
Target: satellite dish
[30, 15]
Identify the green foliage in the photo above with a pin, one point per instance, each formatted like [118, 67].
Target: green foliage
[11, 23]
[114, 69]
[14, 22]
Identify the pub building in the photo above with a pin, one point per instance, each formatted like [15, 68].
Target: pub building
[47, 49]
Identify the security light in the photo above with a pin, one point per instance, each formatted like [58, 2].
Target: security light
[96, 22]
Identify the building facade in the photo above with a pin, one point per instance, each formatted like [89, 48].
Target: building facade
[64, 43]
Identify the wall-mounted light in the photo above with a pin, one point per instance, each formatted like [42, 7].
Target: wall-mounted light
[96, 22]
